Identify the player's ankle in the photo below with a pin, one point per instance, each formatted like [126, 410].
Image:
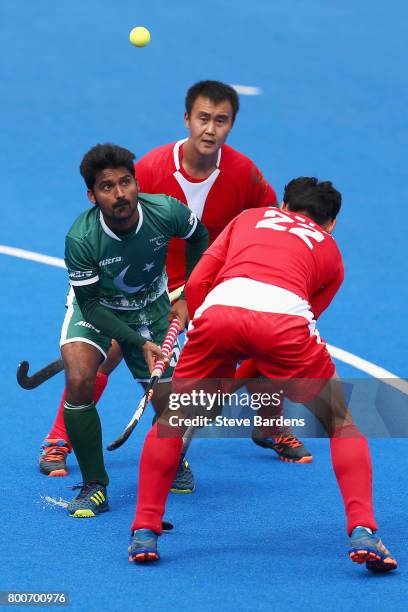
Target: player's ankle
[362, 527]
[61, 440]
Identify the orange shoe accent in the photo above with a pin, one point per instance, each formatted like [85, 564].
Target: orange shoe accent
[290, 440]
[144, 557]
[302, 460]
[305, 460]
[58, 473]
[362, 556]
[391, 562]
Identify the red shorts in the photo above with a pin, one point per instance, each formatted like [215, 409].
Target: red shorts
[281, 347]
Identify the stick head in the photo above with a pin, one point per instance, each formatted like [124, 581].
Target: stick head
[22, 372]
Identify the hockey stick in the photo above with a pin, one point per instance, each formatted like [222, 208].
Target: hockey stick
[155, 377]
[50, 370]
[31, 382]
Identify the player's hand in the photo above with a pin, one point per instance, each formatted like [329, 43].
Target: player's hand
[153, 353]
[179, 309]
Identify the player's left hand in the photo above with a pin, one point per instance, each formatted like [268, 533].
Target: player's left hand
[179, 309]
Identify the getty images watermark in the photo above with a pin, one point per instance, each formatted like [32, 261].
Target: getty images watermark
[210, 402]
[217, 408]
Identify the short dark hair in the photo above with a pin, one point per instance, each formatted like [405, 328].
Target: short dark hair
[214, 90]
[319, 200]
[103, 156]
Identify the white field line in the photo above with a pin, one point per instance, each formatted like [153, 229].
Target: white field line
[247, 90]
[370, 368]
[32, 256]
[357, 362]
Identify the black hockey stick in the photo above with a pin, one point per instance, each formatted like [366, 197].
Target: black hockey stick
[48, 371]
[167, 348]
[31, 382]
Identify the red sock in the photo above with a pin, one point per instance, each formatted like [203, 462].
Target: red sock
[246, 369]
[58, 430]
[101, 381]
[352, 466]
[158, 467]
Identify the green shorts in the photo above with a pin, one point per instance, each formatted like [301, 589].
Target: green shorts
[76, 329]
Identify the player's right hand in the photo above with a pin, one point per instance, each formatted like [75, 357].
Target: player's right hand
[179, 310]
[153, 353]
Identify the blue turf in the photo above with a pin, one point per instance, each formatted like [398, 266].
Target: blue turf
[257, 534]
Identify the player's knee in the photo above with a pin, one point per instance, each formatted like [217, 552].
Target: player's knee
[80, 388]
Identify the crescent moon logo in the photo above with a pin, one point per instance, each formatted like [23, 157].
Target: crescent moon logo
[119, 282]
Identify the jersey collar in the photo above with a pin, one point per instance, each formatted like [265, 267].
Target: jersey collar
[111, 234]
[176, 154]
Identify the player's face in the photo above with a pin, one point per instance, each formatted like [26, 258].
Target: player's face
[115, 192]
[209, 124]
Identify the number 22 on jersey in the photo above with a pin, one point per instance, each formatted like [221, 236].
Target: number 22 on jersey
[276, 219]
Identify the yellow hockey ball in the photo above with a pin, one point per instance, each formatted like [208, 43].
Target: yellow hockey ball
[140, 36]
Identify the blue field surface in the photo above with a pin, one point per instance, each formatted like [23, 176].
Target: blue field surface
[258, 534]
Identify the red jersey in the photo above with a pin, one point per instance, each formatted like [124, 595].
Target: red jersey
[276, 248]
[235, 185]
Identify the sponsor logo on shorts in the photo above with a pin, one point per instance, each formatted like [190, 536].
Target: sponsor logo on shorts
[88, 326]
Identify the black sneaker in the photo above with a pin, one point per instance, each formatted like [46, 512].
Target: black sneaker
[90, 501]
[184, 479]
[53, 457]
[287, 446]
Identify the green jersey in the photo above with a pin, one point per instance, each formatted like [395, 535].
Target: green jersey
[131, 268]
[127, 272]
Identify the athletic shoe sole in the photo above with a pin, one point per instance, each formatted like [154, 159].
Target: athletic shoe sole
[59, 473]
[262, 444]
[86, 513]
[144, 557]
[302, 460]
[374, 561]
[183, 491]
